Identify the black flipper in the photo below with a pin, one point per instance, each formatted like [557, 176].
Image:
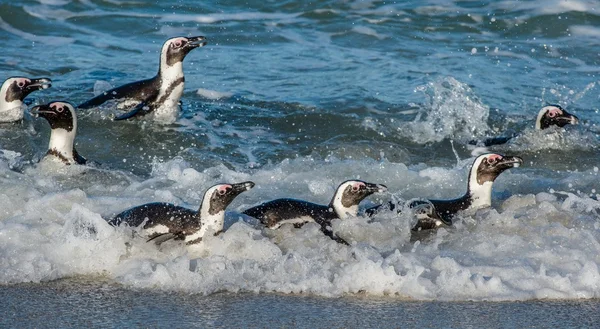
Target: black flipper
[78, 158]
[160, 238]
[491, 141]
[140, 109]
[133, 90]
[376, 209]
[333, 237]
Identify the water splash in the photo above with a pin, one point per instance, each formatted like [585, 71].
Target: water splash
[451, 111]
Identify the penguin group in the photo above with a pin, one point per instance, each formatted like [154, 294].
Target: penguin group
[159, 97]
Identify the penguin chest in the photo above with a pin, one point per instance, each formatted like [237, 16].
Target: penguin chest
[167, 102]
[12, 111]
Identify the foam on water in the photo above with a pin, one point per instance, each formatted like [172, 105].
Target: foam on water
[451, 111]
[532, 245]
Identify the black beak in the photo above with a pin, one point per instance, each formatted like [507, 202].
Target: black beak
[375, 188]
[242, 187]
[510, 162]
[195, 42]
[568, 118]
[39, 84]
[40, 110]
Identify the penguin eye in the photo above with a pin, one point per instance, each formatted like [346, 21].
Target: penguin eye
[552, 114]
[60, 109]
[355, 188]
[177, 43]
[491, 160]
[21, 84]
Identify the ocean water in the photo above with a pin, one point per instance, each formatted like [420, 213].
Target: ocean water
[299, 96]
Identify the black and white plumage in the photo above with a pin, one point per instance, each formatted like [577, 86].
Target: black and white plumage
[164, 221]
[548, 116]
[344, 203]
[63, 124]
[435, 213]
[554, 115]
[159, 95]
[13, 92]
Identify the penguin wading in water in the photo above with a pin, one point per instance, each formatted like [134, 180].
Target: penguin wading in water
[159, 95]
[344, 204]
[63, 124]
[161, 221]
[432, 214]
[13, 92]
[548, 116]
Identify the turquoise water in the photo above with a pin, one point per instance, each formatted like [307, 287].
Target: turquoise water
[299, 97]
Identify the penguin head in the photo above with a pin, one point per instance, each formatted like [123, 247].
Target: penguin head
[219, 196]
[17, 88]
[423, 209]
[58, 114]
[350, 193]
[554, 115]
[425, 214]
[174, 50]
[487, 167]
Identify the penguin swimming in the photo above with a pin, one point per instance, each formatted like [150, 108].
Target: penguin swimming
[164, 221]
[548, 116]
[344, 204]
[63, 122]
[484, 171]
[159, 95]
[13, 92]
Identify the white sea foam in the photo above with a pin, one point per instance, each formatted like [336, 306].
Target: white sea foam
[531, 245]
[452, 110]
[213, 94]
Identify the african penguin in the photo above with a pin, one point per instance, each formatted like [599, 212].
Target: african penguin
[484, 171]
[159, 95]
[548, 116]
[344, 204]
[63, 125]
[164, 221]
[13, 92]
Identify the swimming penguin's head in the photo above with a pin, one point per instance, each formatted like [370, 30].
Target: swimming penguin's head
[17, 88]
[425, 214]
[174, 50]
[219, 196]
[487, 167]
[554, 115]
[58, 114]
[350, 193]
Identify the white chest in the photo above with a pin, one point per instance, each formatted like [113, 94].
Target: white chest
[11, 111]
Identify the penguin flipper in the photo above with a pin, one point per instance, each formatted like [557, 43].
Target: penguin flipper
[160, 238]
[333, 237]
[130, 90]
[78, 158]
[140, 109]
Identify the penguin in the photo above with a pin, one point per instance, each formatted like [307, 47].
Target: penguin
[161, 222]
[484, 171]
[63, 124]
[344, 204]
[159, 95]
[13, 92]
[548, 116]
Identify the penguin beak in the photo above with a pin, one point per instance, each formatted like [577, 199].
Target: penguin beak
[568, 118]
[509, 162]
[195, 42]
[39, 84]
[242, 187]
[40, 110]
[375, 188]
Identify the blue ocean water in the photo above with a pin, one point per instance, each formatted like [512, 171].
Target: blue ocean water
[299, 96]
